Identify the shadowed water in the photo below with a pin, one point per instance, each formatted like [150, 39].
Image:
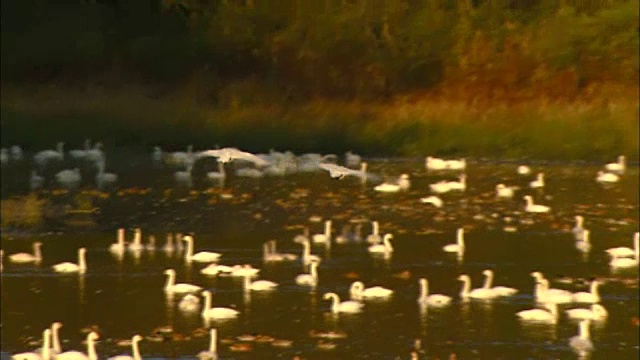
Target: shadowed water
[124, 296]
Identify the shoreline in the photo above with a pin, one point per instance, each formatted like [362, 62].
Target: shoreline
[594, 129]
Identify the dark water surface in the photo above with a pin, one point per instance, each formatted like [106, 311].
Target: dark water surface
[123, 297]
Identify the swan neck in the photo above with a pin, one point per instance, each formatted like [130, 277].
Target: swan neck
[306, 249]
[594, 289]
[584, 330]
[376, 228]
[137, 237]
[36, 252]
[466, 286]
[488, 280]
[121, 237]
[460, 239]
[91, 348]
[82, 261]
[135, 350]
[424, 289]
[246, 283]
[207, 303]
[314, 271]
[189, 253]
[170, 280]
[334, 303]
[46, 344]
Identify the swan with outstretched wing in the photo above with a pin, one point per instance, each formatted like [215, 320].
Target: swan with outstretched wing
[226, 155]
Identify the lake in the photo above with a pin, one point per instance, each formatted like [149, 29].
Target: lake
[120, 296]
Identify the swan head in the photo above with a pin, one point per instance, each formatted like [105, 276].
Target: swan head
[487, 272]
[464, 277]
[363, 166]
[56, 325]
[93, 336]
[37, 244]
[82, 251]
[579, 219]
[170, 272]
[585, 235]
[500, 186]
[621, 159]
[327, 296]
[136, 338]
[187, 238]
[404, 177]
[537, 275]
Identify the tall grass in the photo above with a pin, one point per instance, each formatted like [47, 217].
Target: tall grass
[580, 129]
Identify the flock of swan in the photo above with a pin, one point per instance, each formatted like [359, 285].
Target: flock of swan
[196, 298]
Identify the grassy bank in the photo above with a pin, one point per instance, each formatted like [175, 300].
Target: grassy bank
[589, 129]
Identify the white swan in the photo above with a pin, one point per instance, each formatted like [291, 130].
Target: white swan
[215, 269]
[534, 208]
[433, 299]
[461, 184]
[136, 245]
[43, 157]
[119, 245]
[135, 351]
[77, 355]
[349, 306]
[596, 312]
[95, 154]
[55, 347]
[44, 353]
[460, 164]
[202, 256]
[433, 200]
[212, 353]
[624, 262]
[4, 156]
[69, 267]
[300, 238]
[151, 245]
[183, 176]
[157, 155]
[21, 258]
[543, 293]
[171, 286]
[480, 293]
[324, 238]
[358, 291]
[374, 237]
[182, 158]
[538, 182]
[523, 170]
[285, 256]
[189, 303]
[16, 153]
[584, 244]
[459, 246]
[623, 251]
[403, 183]
[581, 343]
[618, 166]
[592, 296]
[69, 177]
[35, 180]
[216, 312]
[241, 270]
[269, 253]
[384, 248]
[440, 187]
[339, 172]
[499, 290]
[605, 177]
[351, 159]
[539, 315]
[578, 229]
[432, 163]
[1, 260]
[249, 172]
[504, 191]
[307, 257]
[259, 285]
[310, 279]
[104, 178]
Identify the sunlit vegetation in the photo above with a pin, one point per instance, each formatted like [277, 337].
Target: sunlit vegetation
[553, 79]
[22, 212]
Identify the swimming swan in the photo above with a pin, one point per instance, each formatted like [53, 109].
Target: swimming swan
[538, 182]
[307, 257]
[624, 262]
[584, 244]
[503, 191]
[44, 352]
[480, 293]
[172, 287]
[461, 184]
[310, 279]
[618, 166]
[77, 355]
[259, 285]
[43, 157]
[69, 177]
[578, 229]
[440, 187]
[523, 170]
[135, 351]
[349, 306]
[119, 245]
[550, 315]
[588, 297]
[534, 208]
[212, 353]
[189, 303]
[596, 312]
[499, 290]
[543, 293]
[21, 258]
[581, 343]
[136, 245]
[458, 247]
[324, 238]
[433, 200]
[216, 312]
[431, 300]
[623, 251]
[202, 256]
[358, 291]
[68, 267]
[605, 177]
[384, 248]
[220, 174]
[374, 237]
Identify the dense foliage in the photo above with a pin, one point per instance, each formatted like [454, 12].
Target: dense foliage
[249, 51]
